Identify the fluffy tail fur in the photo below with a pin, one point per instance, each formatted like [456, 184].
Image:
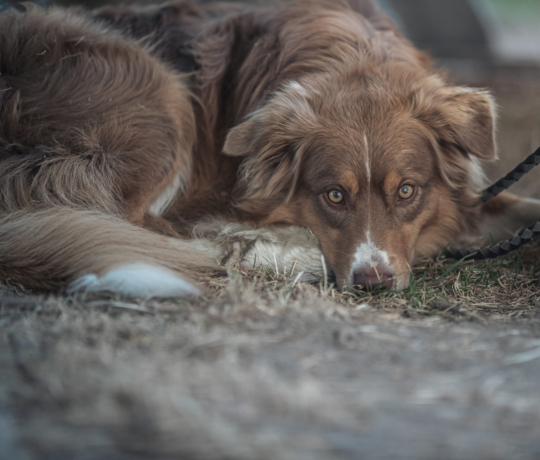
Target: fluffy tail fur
[55, 248]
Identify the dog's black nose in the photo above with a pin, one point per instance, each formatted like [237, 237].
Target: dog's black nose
[373, 278]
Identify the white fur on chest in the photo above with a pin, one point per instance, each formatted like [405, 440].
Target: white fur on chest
[168, 195]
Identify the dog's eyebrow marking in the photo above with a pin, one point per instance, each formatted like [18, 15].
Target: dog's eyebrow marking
[350, 181]
[368, 167]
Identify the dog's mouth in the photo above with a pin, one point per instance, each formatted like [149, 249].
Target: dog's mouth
[367, 281]
[374, 280]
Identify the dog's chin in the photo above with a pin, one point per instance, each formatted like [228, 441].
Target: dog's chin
[399, 284]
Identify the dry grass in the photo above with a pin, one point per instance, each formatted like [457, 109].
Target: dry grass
[501, 288]
[266, 368]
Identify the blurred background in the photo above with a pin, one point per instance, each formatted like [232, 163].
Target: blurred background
[486, 43]
[493, 44]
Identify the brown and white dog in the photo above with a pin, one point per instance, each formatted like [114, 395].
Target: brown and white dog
[319, 115]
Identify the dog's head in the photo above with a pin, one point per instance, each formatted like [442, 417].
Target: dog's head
[379, 163]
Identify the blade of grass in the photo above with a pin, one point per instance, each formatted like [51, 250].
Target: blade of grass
[452, 268]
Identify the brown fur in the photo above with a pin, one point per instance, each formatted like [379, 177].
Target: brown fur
[281, 107]
[83, 113]
[67, 243]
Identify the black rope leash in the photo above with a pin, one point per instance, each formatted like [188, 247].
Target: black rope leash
[526, 236]
[512, 177]
[501, 249]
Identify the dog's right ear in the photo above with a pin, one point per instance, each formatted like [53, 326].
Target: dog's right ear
[284, 120]
[270, 140]
[242, 139]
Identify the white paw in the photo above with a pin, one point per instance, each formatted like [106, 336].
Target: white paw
[137, 280]
[289, 251]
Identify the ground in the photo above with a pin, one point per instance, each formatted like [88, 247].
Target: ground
[268, 369]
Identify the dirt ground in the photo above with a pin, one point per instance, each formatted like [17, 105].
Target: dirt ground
[269, 369]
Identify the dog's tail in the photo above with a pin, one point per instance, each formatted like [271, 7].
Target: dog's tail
[59, 248]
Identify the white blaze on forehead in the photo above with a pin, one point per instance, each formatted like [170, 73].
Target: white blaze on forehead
[368, 166]
[368, 255]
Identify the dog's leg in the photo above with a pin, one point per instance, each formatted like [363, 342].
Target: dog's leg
[288, 250]
[500, 218]
[507, 214]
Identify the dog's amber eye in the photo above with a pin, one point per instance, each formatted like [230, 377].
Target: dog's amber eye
[335, 196]
[406, 192]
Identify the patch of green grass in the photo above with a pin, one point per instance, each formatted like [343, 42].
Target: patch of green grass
[437, 287]
[496, 284]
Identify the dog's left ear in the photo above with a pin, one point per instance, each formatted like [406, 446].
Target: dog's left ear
[464, 118]
[271, 142]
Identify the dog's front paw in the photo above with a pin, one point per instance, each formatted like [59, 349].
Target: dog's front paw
[288, 250]
[298, 253]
